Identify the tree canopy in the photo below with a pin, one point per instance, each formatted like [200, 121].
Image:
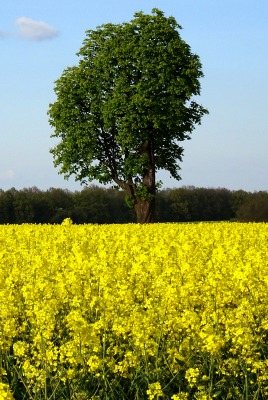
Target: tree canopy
[123, 111]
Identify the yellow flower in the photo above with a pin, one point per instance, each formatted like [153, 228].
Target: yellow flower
[180, 396]
[192, 375]
[154, 390]
[5, 393]
[128, 301]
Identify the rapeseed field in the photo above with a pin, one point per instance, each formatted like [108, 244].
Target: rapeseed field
[160, 311]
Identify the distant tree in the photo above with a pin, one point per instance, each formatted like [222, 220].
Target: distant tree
[4, 207]
[221, 200]
[119, 212]
[239, 197]
[122, 113]
[23, 209]
[9, 197]
[61, 204]
[163, 207]
[91, 205]
[41, 205]
[179, 202]
[95, 204]
[200, 204]
[254, 209]
[211, 204]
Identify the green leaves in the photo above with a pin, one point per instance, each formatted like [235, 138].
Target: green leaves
[133, 85]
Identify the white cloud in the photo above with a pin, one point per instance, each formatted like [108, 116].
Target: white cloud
[35, 30]
[7, 175]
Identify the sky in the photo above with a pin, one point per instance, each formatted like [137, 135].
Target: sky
[39, 39]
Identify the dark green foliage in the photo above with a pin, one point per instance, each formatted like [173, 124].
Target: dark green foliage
[254, 208]
[123, 111]
[99, 205]
[6, 207]
[60, 204]
[239, 197]
[91, 205]
[199, 204]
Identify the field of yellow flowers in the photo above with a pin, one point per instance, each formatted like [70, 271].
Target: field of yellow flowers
[160, 311]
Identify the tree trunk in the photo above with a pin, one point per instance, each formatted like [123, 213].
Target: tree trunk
[145, 206]
[144, 210]
[141, 195]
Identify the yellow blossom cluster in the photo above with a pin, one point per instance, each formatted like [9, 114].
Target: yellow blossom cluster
[160, 311]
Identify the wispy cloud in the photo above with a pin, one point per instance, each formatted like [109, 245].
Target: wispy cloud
[31, 29]
[7, 175]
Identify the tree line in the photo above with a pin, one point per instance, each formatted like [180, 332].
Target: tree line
[100, 205]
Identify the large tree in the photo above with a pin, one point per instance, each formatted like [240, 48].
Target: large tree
[123, 111]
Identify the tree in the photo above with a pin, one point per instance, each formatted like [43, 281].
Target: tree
[254, 208]
[61, 204]
[122, 112]
[91, 205]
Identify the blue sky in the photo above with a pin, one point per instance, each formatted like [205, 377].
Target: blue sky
[39, 39]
